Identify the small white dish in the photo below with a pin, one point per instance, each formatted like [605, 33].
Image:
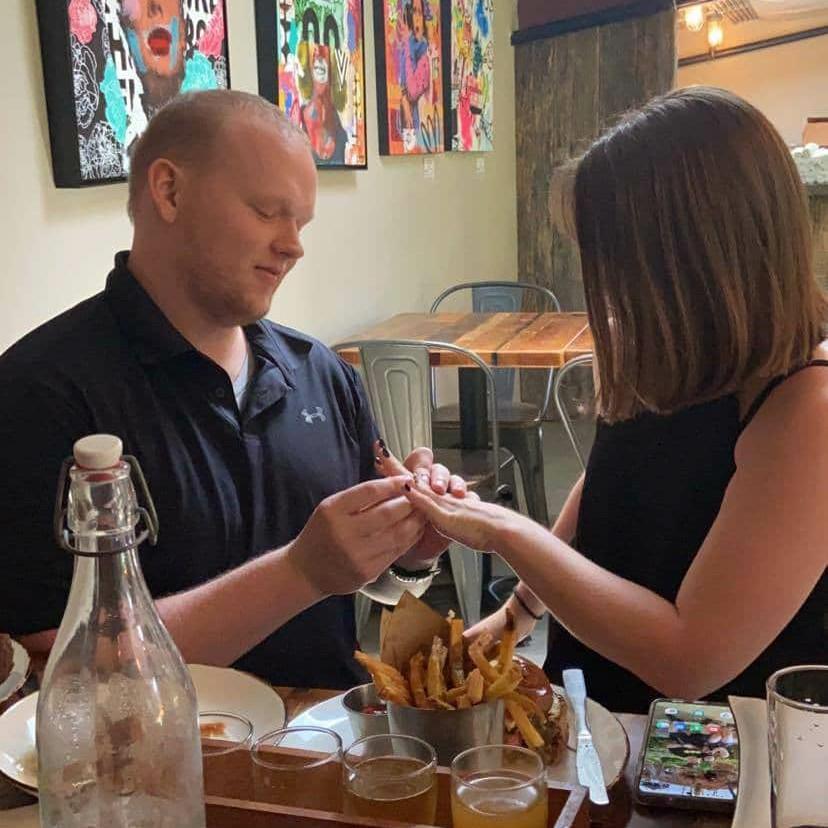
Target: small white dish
[19, 672]
[217, 688]
[231, 691]
[608, 733]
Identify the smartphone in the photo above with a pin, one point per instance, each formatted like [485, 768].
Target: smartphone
[690, 757]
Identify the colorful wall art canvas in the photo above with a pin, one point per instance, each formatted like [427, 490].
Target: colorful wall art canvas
[410, 94]
[108, 65]
[469, 36]
[311, 56]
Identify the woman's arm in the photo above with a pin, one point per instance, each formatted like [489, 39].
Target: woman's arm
[495, 623]
[761, 559]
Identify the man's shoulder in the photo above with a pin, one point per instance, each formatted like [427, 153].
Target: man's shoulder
[71, 341]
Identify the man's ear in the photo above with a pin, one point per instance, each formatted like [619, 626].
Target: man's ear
[165, 181]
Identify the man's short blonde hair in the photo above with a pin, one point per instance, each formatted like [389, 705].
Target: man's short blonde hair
[186, 130]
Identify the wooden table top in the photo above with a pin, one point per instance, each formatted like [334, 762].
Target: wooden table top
[620, 813]
[511, 340]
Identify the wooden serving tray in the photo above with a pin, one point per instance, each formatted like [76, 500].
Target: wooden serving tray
[232, 801]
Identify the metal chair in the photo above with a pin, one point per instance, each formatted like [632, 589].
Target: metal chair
[521, 422]
[582, 403]
[397, 376]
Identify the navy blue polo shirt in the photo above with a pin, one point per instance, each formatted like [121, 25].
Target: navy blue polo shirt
[228, 485]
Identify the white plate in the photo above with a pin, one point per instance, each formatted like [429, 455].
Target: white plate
[217, 688]
[231, 691]
[608, 733]
[19, 672]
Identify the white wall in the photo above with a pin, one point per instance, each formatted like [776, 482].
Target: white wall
[788, 83]
[385, 240]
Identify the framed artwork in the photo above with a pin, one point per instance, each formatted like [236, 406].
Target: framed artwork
[410, 94]
[469, 46]
[108, 65]
[311, 57]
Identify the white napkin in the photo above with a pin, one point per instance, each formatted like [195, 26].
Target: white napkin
[753, 802]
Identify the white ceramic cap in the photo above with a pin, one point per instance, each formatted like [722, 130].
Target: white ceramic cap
[98, 451]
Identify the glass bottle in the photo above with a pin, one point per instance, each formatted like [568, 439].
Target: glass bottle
[117, 719]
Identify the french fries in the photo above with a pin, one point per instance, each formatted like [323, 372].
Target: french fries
[525, 702]
[389, 682]
[451, 674]
[475, 686]
[507, 643]
[505, 683]
[477, 653]
[415, 678]
[527, 729]
[458, 673]
[435, 678]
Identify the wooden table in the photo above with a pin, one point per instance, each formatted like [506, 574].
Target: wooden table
[620, 813]
[503, 340]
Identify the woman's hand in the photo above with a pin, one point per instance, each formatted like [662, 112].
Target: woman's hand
[435, 477]
[495, 623]
[468, 521]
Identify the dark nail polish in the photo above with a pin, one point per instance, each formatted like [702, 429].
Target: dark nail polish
[386, 453]
[381, 442]
[378, 461]
[408, 487]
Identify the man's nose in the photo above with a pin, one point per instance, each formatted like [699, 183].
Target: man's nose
[287, 243]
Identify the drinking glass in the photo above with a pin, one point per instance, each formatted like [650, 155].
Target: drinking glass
[798, 746]
[224, 737]
[391, 776]
[300, 767]
[499, 786]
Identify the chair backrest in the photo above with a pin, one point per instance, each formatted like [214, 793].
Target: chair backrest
[574, 395]
[507, 297]
[397, 377]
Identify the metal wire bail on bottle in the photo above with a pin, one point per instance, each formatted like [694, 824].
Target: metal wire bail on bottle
[65, 538]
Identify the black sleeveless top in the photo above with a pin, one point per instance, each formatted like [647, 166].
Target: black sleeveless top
[653, 488]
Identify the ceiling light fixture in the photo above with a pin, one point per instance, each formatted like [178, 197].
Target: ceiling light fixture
[715, 33]
[694, 18]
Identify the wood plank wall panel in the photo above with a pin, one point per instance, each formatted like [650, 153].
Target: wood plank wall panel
[567, 89]
[819, 223]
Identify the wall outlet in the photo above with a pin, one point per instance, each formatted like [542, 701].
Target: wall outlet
[480, 165]
[428, 167]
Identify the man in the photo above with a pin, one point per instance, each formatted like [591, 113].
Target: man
[254, 439]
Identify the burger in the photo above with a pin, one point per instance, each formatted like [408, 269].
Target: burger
[549, 716]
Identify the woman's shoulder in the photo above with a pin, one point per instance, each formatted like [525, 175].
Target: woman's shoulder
[794, 410]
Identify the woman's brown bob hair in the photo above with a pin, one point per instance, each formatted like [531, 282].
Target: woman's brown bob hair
[695, 245]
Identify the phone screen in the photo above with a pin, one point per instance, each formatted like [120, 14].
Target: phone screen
[692, 751]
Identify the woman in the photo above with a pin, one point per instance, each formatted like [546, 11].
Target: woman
[701, 523]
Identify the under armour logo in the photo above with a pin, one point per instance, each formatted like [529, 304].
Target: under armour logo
[318, 414]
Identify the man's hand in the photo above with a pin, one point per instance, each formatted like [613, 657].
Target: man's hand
[420, 463]
[354, 536]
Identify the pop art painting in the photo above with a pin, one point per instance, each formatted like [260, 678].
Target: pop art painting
[469, 115]
[109, 65]
[409, 58]
[311, 56]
